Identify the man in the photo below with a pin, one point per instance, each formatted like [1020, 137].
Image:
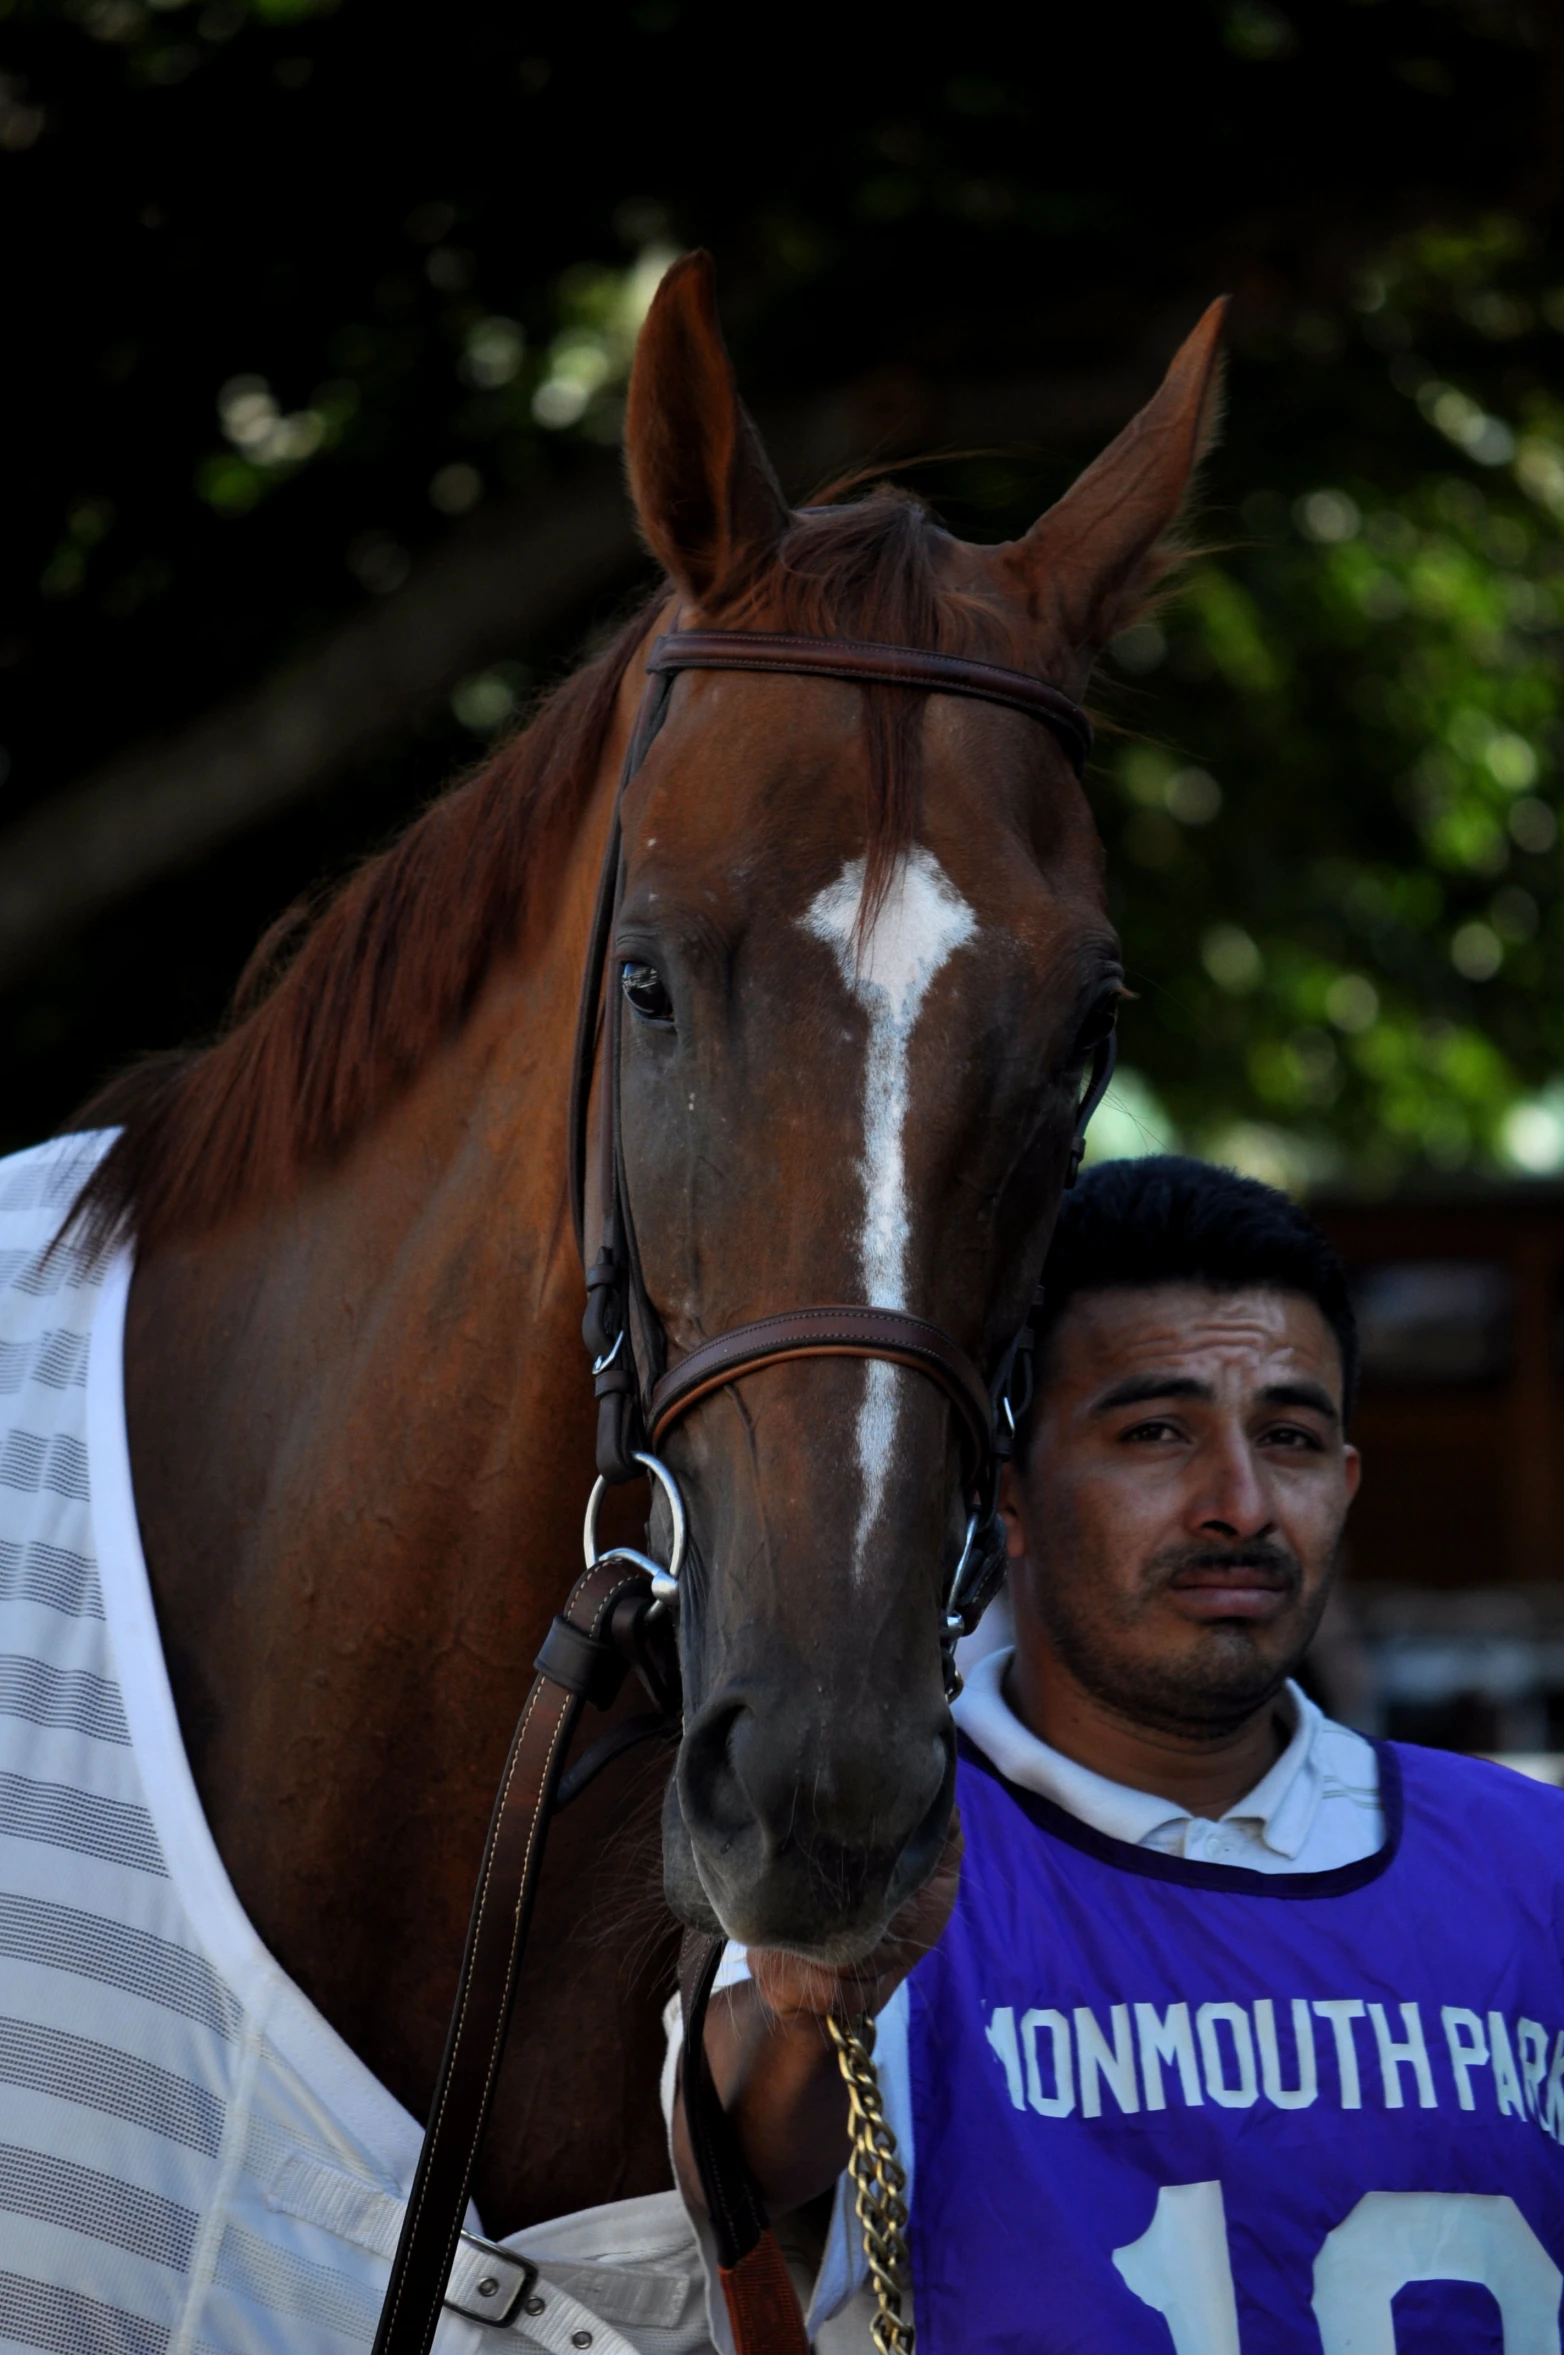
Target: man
[1240, 2032]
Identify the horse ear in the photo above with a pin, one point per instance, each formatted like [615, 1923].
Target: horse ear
[710, 508]
[1085, 566]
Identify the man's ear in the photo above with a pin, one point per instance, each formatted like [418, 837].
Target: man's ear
[710, 508]
[1084, 567]
[1010, 1513]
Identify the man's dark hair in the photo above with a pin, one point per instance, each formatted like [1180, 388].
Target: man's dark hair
[1169, 1220]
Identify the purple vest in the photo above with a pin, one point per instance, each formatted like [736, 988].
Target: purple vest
[1160, 2104]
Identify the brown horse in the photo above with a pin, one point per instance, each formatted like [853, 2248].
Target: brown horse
[865, 956]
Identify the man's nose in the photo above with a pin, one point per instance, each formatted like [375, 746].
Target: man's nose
[1230, 1497]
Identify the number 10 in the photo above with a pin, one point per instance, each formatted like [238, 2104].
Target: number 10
[1181, 2266]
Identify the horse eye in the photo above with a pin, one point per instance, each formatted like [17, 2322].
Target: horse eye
[643, 986]
[1097, 1026]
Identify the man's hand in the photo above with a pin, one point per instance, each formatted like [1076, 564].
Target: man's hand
[773, 2064]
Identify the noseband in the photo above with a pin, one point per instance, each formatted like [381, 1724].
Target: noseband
[640, 1397]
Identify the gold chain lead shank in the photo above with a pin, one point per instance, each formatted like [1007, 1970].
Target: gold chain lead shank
[880, 2183]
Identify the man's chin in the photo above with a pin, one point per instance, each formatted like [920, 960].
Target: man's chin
[1206, 1680]
[1214, 1696]
[1195, 1675]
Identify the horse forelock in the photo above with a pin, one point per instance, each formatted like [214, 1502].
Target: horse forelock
[336, 1013]
[881, 569]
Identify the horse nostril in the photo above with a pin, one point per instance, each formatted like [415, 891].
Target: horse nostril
[766, 1779]
[745, 1775]
[711, 1791]
[738, 1781]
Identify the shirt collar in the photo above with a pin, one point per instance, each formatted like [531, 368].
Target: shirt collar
[1283, 1803]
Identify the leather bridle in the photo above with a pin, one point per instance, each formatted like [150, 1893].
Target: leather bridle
[640, 1396]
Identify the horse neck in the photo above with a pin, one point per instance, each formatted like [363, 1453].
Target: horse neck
[361, 1439]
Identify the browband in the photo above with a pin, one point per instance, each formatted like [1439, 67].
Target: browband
[868, 665]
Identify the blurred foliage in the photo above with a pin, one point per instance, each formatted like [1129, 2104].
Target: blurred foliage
[1339, 873]
[294, 289]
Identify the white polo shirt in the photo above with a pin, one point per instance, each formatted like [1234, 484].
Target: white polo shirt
[1316, 1808]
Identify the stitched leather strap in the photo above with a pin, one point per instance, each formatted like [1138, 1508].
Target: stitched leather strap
[870, 665]
[763, 2309]
[830, 1332]
[496, 1935]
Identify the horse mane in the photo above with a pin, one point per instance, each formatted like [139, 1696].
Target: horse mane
[336, 1011]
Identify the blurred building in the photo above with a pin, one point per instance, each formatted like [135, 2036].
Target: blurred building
[1450, 1623]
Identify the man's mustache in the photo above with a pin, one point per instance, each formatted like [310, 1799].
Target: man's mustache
[1275, 1564]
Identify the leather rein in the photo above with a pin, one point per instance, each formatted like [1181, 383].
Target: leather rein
[620, 1613]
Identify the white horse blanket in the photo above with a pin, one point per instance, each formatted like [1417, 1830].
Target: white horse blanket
[192, 2162]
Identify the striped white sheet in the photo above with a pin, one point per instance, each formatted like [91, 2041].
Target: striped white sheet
[192, 2162]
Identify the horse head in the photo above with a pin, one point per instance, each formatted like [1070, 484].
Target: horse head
[865, 967]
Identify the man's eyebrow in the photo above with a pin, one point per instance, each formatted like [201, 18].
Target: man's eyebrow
[1141, 1389]
[1137, 1389]
[1307, 1394]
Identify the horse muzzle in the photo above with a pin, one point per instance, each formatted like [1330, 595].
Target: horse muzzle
[806, 1836]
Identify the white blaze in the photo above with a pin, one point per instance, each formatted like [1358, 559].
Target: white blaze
[921, 923]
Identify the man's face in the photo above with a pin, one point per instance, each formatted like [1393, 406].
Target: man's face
[1175, 1525]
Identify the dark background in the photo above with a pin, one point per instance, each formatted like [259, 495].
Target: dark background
[318, 325]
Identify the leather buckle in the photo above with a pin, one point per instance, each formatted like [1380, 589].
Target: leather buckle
[487, 2283]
